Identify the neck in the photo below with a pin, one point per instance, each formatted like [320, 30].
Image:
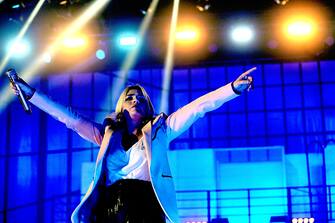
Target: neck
[133, 126]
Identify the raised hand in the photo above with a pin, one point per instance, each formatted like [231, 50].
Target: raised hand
[26, 88]
[244, 81]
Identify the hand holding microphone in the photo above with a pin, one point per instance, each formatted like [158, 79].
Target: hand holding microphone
[21, 89]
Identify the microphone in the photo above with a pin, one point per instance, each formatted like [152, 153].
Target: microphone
[13, 77]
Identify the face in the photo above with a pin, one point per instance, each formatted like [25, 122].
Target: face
[135, 105]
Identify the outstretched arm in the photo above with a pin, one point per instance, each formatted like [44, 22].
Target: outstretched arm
[179, 121]
[86, 128]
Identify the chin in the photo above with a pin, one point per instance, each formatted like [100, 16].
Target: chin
[136, 116]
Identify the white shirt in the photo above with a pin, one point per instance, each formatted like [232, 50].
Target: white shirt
[130, 164]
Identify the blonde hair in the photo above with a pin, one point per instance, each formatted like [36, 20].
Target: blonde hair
[118, 108]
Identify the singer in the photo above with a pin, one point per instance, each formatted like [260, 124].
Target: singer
[132, 180]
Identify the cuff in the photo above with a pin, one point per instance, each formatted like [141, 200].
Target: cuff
[235, 90]
[28, 97]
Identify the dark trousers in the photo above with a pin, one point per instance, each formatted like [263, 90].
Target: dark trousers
[128, 201]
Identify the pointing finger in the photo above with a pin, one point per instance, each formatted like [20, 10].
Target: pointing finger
[247, 72]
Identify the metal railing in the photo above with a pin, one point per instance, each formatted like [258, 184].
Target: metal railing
[255, 205]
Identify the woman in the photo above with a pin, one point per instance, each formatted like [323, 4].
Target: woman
[132, 180]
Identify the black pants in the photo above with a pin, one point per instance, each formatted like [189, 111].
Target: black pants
[128, 201]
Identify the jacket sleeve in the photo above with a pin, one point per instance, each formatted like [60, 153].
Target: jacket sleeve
[86, 128]
[182, 119]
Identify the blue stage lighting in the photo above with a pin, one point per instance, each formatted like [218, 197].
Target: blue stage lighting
[19, 49]
[16, 6]
[128, 41]
[100, 54]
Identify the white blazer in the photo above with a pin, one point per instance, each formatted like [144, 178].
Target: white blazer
[156, 135]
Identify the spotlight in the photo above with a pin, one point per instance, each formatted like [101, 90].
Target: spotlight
[299, 29]
[128, 41]
[19, 48]
[46, 57]
[242, 34]
[100, 54]
[281, 2]
[203, 5]
[16, 6]
[64, 2]
[302, 220]
[186, 35]
[74, 42]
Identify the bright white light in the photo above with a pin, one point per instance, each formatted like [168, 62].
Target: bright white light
[302, 220]
[19, 48]
[128, 41]
[300, 28]
[16, 6]
[100, 54]
[74, 42]
[242, 34]
[186, 35]
[46, 57]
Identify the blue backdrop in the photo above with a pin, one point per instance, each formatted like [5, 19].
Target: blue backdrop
[292, 106]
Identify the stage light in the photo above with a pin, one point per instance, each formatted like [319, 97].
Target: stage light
[203, 5]
[63, 2]
[281, 2]
[47, 57]
[187, 35]
[100, 54]
[77, 24]
[19, 49]
[74, 42]
[16, 6]
[302, 220]
[299, 29]
[128, 41]
[242, 34]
